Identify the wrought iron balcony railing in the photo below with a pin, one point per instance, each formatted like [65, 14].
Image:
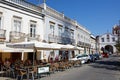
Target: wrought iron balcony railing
[2, 34]
[17, 36]
[83, 44]
[31, 37]
[52, 38]
[61, 39]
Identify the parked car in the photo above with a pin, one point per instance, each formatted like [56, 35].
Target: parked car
[105, 55]
[97, 56]
[85, 58]
[93, 58]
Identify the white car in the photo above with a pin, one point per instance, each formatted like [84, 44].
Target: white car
[85, 58]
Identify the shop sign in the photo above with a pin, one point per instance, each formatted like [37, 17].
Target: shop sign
[43, 69]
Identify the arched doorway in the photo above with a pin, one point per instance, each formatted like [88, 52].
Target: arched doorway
[109, 48]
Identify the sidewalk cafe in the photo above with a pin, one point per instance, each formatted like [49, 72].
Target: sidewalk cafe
[34, 66]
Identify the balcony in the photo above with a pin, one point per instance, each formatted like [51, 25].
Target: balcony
[83, 44]
[33, 37]
[65, 40]
[17, 37]
[61, 39]
[2, 35]
[52, 38]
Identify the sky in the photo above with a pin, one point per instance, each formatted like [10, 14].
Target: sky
[97, 16]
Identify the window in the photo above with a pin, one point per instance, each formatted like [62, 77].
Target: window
[66, 31]
[32, 29]
[102, 39]
[60, 30]
[52, 27]
[107, 36]
[118, 31]
[0, 20]
[113, 39]
[78, 36]
[17, 24]
[108, 40]
[72, 34]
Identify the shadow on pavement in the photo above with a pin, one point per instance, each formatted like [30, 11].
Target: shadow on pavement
[110, 65]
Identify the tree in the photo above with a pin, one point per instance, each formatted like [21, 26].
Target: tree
[117, 45]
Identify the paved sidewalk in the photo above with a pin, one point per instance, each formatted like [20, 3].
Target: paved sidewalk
[44, 77]
[113, 68]
[5, 78]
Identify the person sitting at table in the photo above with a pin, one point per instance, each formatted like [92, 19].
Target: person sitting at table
[7, 64]
[27, 62]
[44, 62]
[1, 63]
[51, 60]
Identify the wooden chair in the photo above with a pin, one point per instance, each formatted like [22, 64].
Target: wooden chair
[21, 73]
[33, 72]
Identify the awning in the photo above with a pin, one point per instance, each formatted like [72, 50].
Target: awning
[69, 47]
[80, 48]
[31, 45]
[42, 46]
[57, 46]
[4, 48]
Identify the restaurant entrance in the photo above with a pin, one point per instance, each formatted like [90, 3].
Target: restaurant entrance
[15, 56]
[30, 56]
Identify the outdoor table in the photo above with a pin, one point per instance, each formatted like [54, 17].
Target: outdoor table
[2, 72]
[39, 67]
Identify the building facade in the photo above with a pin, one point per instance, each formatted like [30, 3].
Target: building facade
[107, 42]
[62, 30]
[93, 44]
[21, 21]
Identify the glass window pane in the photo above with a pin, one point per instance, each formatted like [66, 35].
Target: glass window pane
[17, 26]
[32, 30]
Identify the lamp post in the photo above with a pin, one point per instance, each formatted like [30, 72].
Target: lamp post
[44, 1]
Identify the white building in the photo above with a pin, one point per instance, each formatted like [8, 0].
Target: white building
[63, 30]
[93, 45]
[21, 21]
[107, 42]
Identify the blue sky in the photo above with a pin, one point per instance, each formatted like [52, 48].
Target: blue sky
[98, 16]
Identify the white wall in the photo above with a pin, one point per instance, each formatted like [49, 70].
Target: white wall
[8, 14]
[103, 44]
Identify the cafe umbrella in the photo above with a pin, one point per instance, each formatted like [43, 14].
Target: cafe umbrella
[34, 45]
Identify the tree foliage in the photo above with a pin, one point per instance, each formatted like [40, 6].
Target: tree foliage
[117, 45]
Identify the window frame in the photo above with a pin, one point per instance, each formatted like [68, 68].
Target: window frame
[60, 29]
[17, 24]
[1, 20]
[33, 28]
[102, 40]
